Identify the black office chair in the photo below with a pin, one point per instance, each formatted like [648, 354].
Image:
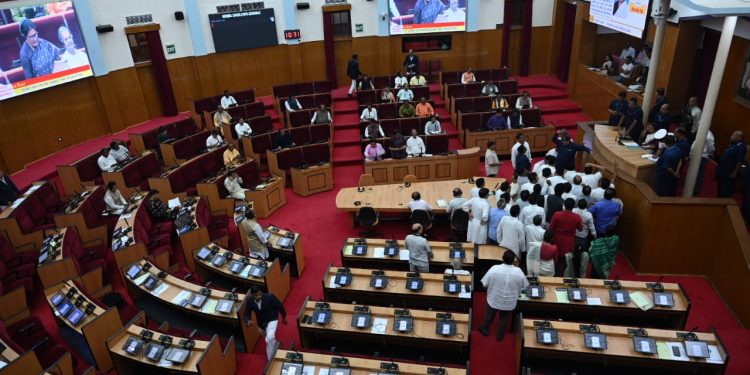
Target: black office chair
[368, 218]
[422, 217]
[459, 225]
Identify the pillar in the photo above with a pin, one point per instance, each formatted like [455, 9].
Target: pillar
[661, 26]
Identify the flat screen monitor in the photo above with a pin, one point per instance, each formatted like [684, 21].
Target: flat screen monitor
[419, 17]
[41, 46]
[625, 16]
[230, 31]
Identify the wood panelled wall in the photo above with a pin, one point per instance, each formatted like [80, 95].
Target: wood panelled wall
[731, 115]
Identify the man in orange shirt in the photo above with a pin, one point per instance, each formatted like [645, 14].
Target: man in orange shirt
[424, 109]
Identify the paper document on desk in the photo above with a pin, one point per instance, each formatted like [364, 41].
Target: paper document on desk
[160, 289]
[181, 296]
[332, 284]
[245, 273]
[664, 350]
[594, 301]
[323, 371]
[174, 202]
[141, 279]
[630, 144]
[442, 203]
[379, 326]
[713, 355]
[209, 306]
[379, 252]
[562, 296]
[348, 249]
[464, 293]
[642, 301]
[650, 157]
[403, 255]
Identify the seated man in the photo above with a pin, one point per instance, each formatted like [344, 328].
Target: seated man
[374, 151]
[243, 129]
[398, 145]
[214, 141]
[233, 183]
[406, 110]
[292, 104]
[119, 151]
[113, 199]
[106, 161]
[497, 121]
[499, 102]
[227, 100]
[405, 94]
[283, 139]
[468, 76]
[365, 83]
[432, 126]
[158, 210]
[524, 101]
[369, 114]
[626, 70]
[418, 80]
[414, 145]
[373, 129]
[424, 109]
[400, 81]
[515, 120]
[386, 96]
[608, 67]
[417, 203]
[221, 116]
[8, 190]
[231, 155]
[321, 116]
[490, 89]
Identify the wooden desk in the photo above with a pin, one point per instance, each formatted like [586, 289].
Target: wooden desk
[206, 357]
[178, 290]
[593, 92]
[439, 263]
[74, 217]
[28, 363]
[359, 366]
[422, 341]
[549, 306]
[13, 233]
[209, 188]
[462, 164]
[275, 281]
[197, 236]
[608, 152]
[292, 255]
[94, 328]
[60, 267]
[314, 179]
[619, 357]
[395, 293]
[117, 175]
[168, 154]
[540, 139]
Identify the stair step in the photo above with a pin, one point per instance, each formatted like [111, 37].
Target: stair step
[346, 137]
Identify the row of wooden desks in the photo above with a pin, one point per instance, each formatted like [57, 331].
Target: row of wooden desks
[462, 164]
[562, 347]
[13, 363]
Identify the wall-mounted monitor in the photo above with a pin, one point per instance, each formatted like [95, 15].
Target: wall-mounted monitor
[426, 16]
[625, 16]
[242, 30]
[40, 46]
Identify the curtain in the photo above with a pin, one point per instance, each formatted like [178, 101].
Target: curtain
[329, 48]
[528, 12]
[159, 65]
[507, 17]
[563, 63]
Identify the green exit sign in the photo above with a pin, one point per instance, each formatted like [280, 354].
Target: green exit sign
[171, 50]
[359, 27]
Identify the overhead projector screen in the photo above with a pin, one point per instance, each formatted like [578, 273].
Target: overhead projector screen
[426, 16]
[625, 16]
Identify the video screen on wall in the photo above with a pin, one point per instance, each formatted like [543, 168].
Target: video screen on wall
[625, 16]
[242, 30]
[40, 46]
[427, 16]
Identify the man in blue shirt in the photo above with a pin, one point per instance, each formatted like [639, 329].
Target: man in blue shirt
[494, 220]
[730, 164]
[497, 121]
[661, 99]
[605, 212]
[632, 121]
[566, 150]
[617, 109]
[663, 118]
[666, 173]
[683, 143]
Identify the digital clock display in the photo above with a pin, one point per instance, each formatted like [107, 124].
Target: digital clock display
[292, 34]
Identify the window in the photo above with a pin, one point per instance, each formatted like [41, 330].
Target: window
[139, 47]
[342, 26]
[516, 12]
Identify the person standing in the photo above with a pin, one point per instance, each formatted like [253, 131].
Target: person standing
[566, 150]
[266, 307]
[690, 117]
[709, 148]
[496, 215]
[510, 233]
[504, 283]
[256, 240]
[8, 190]
[479, 211]
[589, 229]
[352, 70]
[491, 162]
[605, 212]
[617, 109]
[666, 171]
[520, 141]
[730, 164]
[411, 62]
[565, 223]
[456, 203]
[419, 249]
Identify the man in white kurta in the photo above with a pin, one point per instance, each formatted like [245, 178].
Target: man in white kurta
[233, 184]
[510, 232]
[479, 211]
[415, 145]
[520, 141]
[491, 162]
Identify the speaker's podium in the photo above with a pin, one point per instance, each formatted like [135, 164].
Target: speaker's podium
[313, 179]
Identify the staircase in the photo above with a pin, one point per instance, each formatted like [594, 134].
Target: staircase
[551, 95]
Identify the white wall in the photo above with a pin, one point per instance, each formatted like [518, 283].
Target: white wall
[491, 13]
[543, 13]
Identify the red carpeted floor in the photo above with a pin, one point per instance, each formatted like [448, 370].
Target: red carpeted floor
[323, 229]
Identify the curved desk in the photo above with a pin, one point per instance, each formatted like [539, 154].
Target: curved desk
[291, 254]
[56, 265]
[374, 259]
[606, 151]
[458, 165]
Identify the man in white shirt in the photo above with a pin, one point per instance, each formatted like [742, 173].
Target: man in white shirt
[321, 116]
[557, 178]
[233, 183]
[106, 161]
[455, 203]
[510, 232]
[118, 150]
[547, 162]
[520, 141]
[399, 81]
[72, 57]
[243, 129]
[577, 187]
[708, 152]
[368, 114]
[695, 114]
[535, 231]
[419, 249]
[591, 178]
[479, 212]
[405, 94]
[504, 283]
[452, 14]
[214, 141]
[432, 126]
[626, 70]
[491, 162]
[227, 100]
[597, 194]
[582, 236]
[628, 50]
[455, 269]
[474, 193]
[414, 145]
[417, 203]
[114, 200]
[292, 104]
[533, 210]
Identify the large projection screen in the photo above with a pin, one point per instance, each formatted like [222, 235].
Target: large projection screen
[426, 16]
[626, 16]
[40, 46]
